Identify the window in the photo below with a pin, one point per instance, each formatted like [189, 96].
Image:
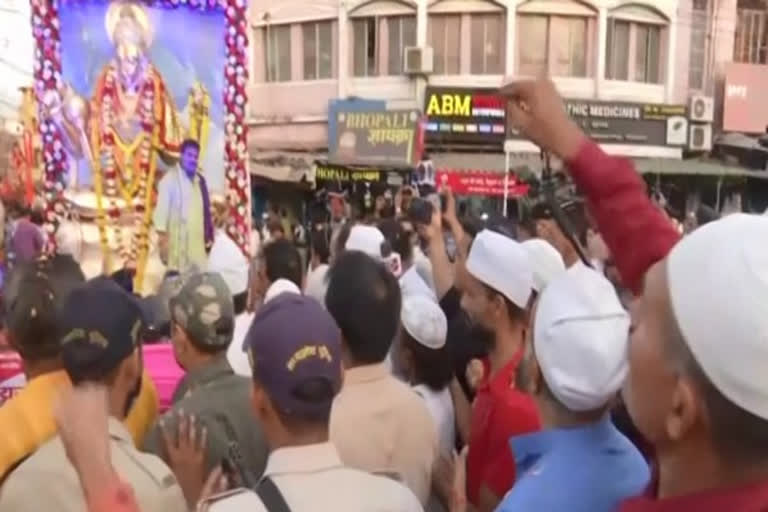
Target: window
[365, 54]
[534, 30]
[277, 48]
[554, 45]
[487, 44]
[318, 50]
[697, 59]
[445, 38]
[633, 51]
[616, 63]
[647, 53]
[751, 42]
[569, 46]
[402, 33]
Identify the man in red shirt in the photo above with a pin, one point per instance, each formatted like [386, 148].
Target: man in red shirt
[696, 388]
[497, 289]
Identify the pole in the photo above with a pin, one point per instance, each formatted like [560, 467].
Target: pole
[506, 183]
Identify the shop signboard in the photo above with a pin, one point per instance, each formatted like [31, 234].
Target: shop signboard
[744, 106]
[459, 116]
[12, 377]
[390, 138]
[480, 183]
[611, 122]
[341, 174]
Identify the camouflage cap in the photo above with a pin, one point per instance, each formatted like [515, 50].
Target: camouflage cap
[204, 309]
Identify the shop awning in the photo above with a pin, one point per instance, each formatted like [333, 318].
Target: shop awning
[485, 162]
[704, 167]
[284, 166]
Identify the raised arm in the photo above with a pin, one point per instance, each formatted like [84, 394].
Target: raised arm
[633, 228]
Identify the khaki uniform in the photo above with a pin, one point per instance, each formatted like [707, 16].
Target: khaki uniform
[220, 400]
[47, 481]
[312, 478]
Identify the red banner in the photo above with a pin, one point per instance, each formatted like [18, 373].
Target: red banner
[12, 377]
[480, 183]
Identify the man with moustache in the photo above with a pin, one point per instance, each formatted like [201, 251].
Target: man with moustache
[574, 364]
[497, 291]
[101, 331]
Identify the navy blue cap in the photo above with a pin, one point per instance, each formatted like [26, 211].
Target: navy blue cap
[101, 325]
[294, 340]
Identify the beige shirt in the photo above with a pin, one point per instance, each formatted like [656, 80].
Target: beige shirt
[312, 478]
[381, 425]
[47, 481]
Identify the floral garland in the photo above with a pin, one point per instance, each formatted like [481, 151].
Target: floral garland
[108, 181]
[47, 73]
[236, 129]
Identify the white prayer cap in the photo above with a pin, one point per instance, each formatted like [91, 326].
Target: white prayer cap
[718, 284]
[502, 264]
[546, 262]
[228, 260]
[280, 286]
[581, 336]
[423, 319]
[367, 239]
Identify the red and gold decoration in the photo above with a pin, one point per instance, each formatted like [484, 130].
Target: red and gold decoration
[125, 174]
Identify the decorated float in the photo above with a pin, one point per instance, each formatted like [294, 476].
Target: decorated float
[118, 86]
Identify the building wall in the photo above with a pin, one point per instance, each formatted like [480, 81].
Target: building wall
[292, 113]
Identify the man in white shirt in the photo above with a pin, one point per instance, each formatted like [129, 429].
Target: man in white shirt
[297, 373]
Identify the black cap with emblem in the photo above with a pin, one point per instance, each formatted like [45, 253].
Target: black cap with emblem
[101, 325]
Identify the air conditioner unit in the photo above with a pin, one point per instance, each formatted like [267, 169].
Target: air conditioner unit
[701, 108]
[418, 60]
[700, 137]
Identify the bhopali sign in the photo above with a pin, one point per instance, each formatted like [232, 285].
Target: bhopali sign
[389, 138]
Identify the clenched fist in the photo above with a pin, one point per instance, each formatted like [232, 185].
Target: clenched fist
[536, 109]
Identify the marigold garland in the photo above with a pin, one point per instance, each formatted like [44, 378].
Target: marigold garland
[47, 74]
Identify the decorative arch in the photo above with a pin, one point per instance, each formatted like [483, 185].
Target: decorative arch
[643, 11]
[438, 6]
[572, 7]
[382, 8]
[276, 14]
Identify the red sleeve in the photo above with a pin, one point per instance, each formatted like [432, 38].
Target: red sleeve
[116, 497]
[633, 228]
[515, 416]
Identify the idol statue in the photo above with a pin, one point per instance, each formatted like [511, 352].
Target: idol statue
[116, 140]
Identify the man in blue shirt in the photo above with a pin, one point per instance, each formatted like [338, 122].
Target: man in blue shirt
[575, 363]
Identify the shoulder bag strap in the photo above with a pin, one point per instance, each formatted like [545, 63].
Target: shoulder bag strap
[270, 495]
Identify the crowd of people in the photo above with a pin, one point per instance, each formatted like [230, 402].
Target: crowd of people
[395, 373]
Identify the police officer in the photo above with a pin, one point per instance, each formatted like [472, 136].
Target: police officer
[101, 328]
[203, 321]
[295, 349]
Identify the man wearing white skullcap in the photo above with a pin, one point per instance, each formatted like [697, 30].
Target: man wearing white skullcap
[497, 292]
[575, 363]
[426, 364]
[546, 262]
[697, 386]
[370, 240]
